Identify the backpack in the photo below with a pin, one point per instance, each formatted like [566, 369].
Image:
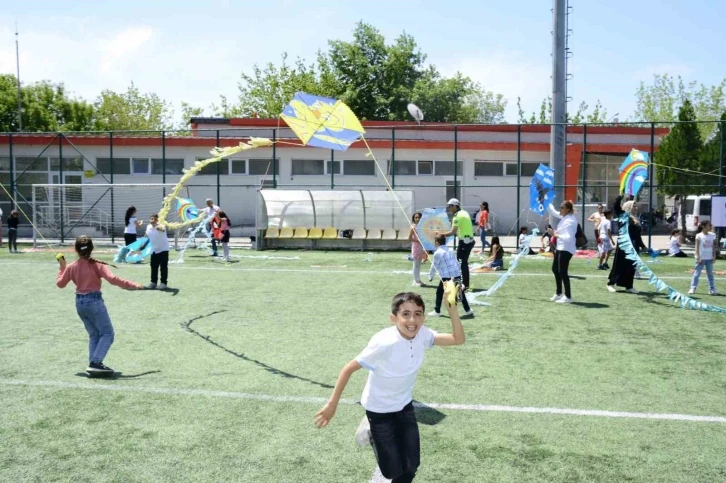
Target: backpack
[580, 238]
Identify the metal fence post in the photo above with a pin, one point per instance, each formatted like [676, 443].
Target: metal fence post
[584, 171]
[650, 186]
[393, 158]
[332, 169]
[519, 170]
[61, 183]
[12, 174]
[163, 162]
[219, 166]
[722, 154]
[274, 156]
[110, 148]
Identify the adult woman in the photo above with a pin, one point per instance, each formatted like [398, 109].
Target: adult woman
[565, 235]
[623, 271]
[595, 219]
[131, 223]
[482, 220]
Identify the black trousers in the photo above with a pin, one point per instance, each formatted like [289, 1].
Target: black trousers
[13, 239]
[440, 297]
[129, 238]
[214, 242]
[396, 443]
[159, 261]
[463, 250]
[560, 267]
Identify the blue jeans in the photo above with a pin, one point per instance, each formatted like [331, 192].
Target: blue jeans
[92, 311]
[483, 237]
[709, 273]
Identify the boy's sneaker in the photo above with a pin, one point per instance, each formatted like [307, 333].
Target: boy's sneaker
[606, 266]
[98, 368]
[564, 300]
[470, 313]
[434, 314]
[692, 291]
[163, 286]
[611, 288]
[151, 286]
[555, 298]
[713, 292]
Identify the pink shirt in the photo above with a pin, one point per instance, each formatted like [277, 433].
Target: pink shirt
[87, 277]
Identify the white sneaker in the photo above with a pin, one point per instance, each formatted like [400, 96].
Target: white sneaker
[471, 313]
[151, 286]
[692, 291]
[632, 290]
[564, 300]
[434, 314]
[713, 292]
[163, 286]
[555, 298]
[611, 288]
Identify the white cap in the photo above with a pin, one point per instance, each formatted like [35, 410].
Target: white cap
[209, 199]
[454, 201]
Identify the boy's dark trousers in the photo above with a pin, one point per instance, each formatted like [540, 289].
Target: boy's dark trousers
[396, 443]
[159, 260]
[440, 297]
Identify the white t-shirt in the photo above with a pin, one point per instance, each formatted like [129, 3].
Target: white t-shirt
[520, 243]
[158, 239]
[604, 227]
[210, 211]
[131, 227]
[705, 245]
[565, 230]
[393, 362]
[674, 248]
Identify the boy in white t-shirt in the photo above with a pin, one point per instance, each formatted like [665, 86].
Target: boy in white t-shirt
[393, 358]
[605, 239]
[159, 240]
[705, 255]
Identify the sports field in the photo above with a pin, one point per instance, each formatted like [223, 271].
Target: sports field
[221, 376]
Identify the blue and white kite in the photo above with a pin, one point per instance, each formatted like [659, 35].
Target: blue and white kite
[542, 189]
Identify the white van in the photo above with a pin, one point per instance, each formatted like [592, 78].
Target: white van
[697, 209]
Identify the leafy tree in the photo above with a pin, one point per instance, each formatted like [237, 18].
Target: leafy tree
[711, 159]
[580, 116]
[131, 111]
[661, 101]
[681, 149]
[45, 107]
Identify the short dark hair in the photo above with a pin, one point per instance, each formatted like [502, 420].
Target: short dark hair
[607, 211]
[401, 298]
[440, 239]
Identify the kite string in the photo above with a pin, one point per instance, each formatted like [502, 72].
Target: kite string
[17, 206]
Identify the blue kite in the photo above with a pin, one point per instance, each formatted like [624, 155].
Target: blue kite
[542, 189]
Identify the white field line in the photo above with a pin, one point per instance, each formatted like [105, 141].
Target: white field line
[321, 400]
[364, 272]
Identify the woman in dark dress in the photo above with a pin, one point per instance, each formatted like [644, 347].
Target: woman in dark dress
[623, 272]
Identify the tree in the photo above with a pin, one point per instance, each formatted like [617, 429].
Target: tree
[712, 157]
[581, 115]
[131, 111]
[45, 107]
[661, 101]
[679, 159]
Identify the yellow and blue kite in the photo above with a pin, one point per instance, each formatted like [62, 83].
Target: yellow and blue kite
[322, 122]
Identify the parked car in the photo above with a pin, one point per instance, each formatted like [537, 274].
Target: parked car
[697, 209]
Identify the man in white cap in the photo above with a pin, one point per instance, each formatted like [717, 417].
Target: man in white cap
[209, 212]
[462, 228]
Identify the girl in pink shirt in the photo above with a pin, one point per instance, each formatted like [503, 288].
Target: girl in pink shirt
[86, 273]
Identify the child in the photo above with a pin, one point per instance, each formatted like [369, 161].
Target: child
[446, 265]
[156, 235]
[131, 224]
[418, 254]
[13, 221]
[705, 255]
[393, 358]
[520, 242]
[222, 223]
[86, 273]
[546, 241]
[496, 255]
[605, 239]
[674, 250]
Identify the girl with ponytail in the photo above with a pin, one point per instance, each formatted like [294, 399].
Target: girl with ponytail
[86, 273]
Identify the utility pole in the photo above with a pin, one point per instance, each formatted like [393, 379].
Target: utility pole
[17, 60]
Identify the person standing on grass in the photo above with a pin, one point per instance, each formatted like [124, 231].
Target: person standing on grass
[393, 358]
[605, 239]
[86, 273]
[209, 212]
[706, 251]
[461, 227]
[222, 223]
[482, 221]
[156, 235]
[13, 222]
[131, 224]
[565, 239]
[418, 254]
[595, 219]
[447, 267]
[622, 273]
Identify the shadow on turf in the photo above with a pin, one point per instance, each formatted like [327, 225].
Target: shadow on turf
[427, 415]
[187, 326]
[172, 291]
[117, 375]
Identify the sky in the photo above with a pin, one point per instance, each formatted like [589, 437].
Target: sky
[196, 51]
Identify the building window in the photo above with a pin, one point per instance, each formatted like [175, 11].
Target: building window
[27, 163]
[489, 168]
[528, 169]
[308, 167]
[446, 168]
[141, 165]
[4, 163]
[120, 165]
[69, 164]
[173, 166]
[426, 167]
[239, 166]
[336, 167]
[403, 168]
[359, 168]
[262, 167]
[211, 168]
[511, 169]
[603, 178]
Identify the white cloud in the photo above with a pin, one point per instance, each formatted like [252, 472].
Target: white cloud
[116, 51]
